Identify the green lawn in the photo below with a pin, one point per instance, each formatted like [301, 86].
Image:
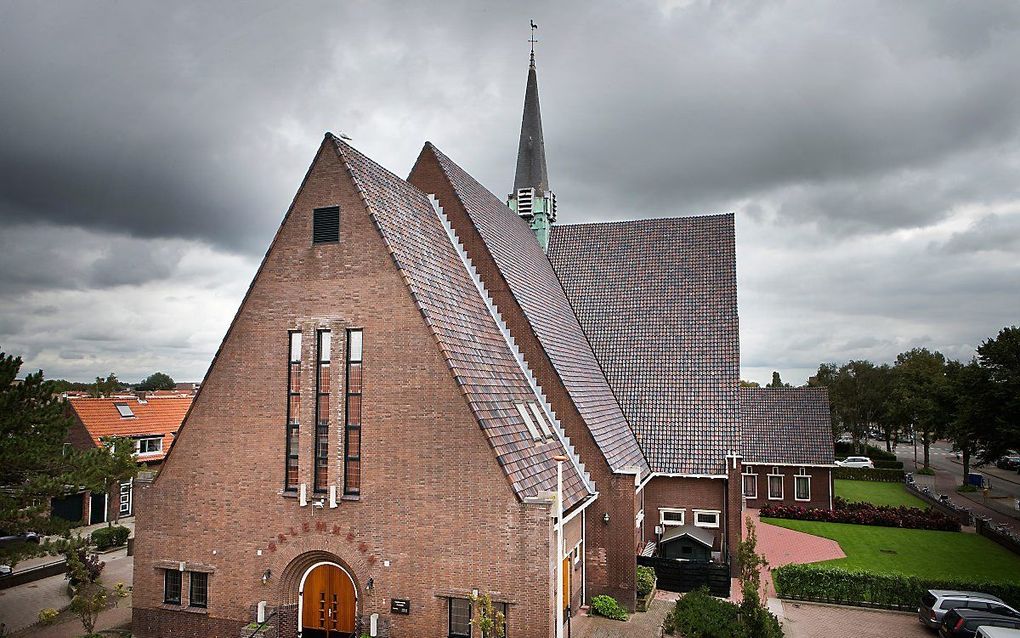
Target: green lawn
[877, 492]
[917, 552]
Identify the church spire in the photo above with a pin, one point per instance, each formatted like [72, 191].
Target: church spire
[532, 198]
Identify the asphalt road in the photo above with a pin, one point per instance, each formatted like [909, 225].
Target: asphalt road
[1005, 485]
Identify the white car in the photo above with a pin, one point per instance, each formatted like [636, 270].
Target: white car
[857, 461]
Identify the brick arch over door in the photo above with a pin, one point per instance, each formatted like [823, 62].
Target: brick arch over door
[290, 580]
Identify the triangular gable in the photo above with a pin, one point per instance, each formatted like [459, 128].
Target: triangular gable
[534, 285]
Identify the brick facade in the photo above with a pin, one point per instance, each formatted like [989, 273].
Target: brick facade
[690, 494]
[821, 486]
[436, 516]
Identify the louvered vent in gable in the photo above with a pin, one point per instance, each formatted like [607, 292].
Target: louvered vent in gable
[326, 225]
[525, 201]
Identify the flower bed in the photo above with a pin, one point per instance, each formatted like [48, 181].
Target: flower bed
[866, 514]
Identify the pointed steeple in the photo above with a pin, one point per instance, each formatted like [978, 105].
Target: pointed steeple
[531, 198]
[531, 171]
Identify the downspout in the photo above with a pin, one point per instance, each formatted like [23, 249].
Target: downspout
[559, 545]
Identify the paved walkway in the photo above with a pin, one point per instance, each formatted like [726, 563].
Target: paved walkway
[20, 606]
[805, 620]
[640, 625]
[783, 546]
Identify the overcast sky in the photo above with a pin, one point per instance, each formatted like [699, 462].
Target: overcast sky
[870, 151]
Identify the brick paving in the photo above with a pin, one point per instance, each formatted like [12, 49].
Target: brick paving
[805, 620]
[640, 625]
[783, 546]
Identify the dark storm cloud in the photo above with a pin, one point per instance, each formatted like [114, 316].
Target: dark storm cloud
[149, 150]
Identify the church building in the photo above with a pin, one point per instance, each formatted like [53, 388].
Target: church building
[464, 398]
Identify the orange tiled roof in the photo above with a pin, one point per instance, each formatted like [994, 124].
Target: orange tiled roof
[155, 416]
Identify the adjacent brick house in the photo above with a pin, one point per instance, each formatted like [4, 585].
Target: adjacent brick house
[150, 422]
[788, 447]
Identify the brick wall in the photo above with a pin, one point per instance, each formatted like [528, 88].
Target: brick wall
[692, 494]
[821, 486]
[436, 516]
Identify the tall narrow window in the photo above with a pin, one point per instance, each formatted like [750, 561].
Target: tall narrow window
[352, 444]
[459, 618]
[293, 409]
[322, 385]
[171, 587]
[198, 591]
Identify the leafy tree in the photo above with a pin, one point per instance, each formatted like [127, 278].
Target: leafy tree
[777, 382]
[105, 387]
[1001, 358]
[749, 384]
[157, 381]
[487, 619]
[756, 620]
[89, 601]
[858, 392]
[104, 469]
[33, 467]
[973, 409]
[919, 395]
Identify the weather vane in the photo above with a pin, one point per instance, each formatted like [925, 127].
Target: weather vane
[532, 40]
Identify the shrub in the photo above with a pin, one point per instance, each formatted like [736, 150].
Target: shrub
[82, 567]
[48, 615]
[888, 465]
[107, 537]
[645, 581]
[608, 607]
[698, 615]
[844, 450]
[925, 471]
[832, 584]
[865, 474]
[866, 514]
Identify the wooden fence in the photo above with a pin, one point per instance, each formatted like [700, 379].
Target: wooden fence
[683, 576]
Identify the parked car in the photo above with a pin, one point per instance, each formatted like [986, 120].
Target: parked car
[9, 538]
[1009, 461]
[857, 461]
[964, 623]
[997, 632]
[935, 603]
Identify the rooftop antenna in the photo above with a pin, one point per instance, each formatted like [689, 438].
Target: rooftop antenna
[532, 40]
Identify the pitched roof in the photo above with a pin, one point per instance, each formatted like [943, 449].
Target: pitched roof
[476, 347]
[657, 299]
[786, 425]
[531, 167]
[533, 283]
[158, 416]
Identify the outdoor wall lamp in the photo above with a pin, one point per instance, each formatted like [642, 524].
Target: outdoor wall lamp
[370, 584]
[266, 575]
[605, 518]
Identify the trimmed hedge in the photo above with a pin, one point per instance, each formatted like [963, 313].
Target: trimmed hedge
[865, 474]
[844, 450]
[865, 589]
[866, 514]
[888, 465]
[107, 537]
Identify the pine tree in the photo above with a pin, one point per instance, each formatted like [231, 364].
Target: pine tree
[33, 468]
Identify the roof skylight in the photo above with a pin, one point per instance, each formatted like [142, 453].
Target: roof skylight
[125, 410]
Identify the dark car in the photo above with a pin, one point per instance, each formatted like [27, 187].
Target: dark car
[1010, 461]
[963, 623]
[7, 538]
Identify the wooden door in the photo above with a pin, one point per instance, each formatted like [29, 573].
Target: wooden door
[566, 582]
[328, 603]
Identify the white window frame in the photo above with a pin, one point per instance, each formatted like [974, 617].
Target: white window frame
[138, 445]
[754, 475]
[716, 513]
[782, 485]
[682, 511]
[802, 474]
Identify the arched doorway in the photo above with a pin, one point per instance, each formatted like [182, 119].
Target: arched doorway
[328, 602]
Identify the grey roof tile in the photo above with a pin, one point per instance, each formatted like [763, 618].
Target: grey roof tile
[533, 283]
[786, 425]
[467, 334]
[657, 299]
